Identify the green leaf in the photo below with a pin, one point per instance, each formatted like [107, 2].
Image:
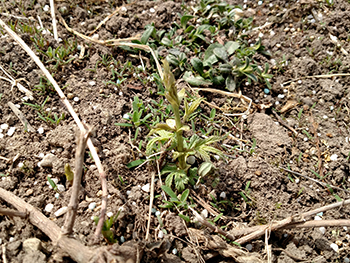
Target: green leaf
[205, 169]
[135, 163]
[197, 65]
[167, 204]
[184, 195]
[172, 60]
[217, 217]
[209, 56]
[52, 183]
[225, 68]
[146, 35]
[221, 53]
[169, 191]
[185, 19]
[230, 83]
[195, 81]
[231, 47]
[186, 218]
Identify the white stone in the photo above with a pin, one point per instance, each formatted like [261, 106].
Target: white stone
[48, 208]
[109, 214]
[61, 211]
[346, 260]
[318, 218]
[334, 157]
[76, 99]
[92, 205]
[323, 230]
[11, 131]
[223, 195]
[249, 247]
[4, 126]
[204, 213]
[41, 130]
[152, 10]
[92, 83]
[280, 96]
[57, 195]
[334, 247]
[46, 8]
[20, 165]
[11, 239]
[297, 180]
[123, 9]
[157, 213]
[174, 251]
[61, 188]
[146, 188]
[160, 234]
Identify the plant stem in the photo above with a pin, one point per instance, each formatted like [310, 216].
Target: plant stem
[180, 145]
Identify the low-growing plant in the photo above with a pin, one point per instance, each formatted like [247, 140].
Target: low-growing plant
[171, 133]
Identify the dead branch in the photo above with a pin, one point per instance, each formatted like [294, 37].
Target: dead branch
[12, 213]
[76, 119]
[73, 203]
[295, 221]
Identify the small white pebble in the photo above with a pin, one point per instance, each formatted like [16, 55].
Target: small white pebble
[305, 139]
[345, 228]
[122, 239]
[120, 93]
[123, 9]
[92, 205]
[290, 161]
[11, 239]
[57, 195]
[160, 234]
[46, 8]
[41, 155]
[223, 195]
[260, 2]
[152, 10]
[277, 103]
[272, 33]
[1, 136]
[318, 218]
[346, 260]
[109, 214]
[48, 208]
[325, 117]
[128, 192]
[11, 131]
[134, 203]
[95, 36]
[331, 108]
[314, 92]
[280, 96]
[204, 213]
[318, 134]
[145, 188]
[157, 213]
[311, 186]
[92, 83]
[41, 130]
[61, 211]
[334, 247]
[20, 165]
[285, 90]
[323, 230]
[334, 157]
[249, 247]
[297, 180]
[174, 251]
[76, 99]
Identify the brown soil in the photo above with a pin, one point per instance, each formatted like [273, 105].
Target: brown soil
[300, 47]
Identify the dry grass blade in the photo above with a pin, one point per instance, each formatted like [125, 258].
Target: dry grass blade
[21, 117]
[76, 119]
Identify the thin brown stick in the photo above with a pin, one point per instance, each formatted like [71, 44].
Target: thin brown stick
[75, 249]
[258, 231]
[4, 253]
[54, 22]
[210, 209]
[153, 174]
[76, 119]
[210, 226]
[318, 76]
[12, 213]
[21, 117]
[314, 180]
[317, 142]
[283, 123]
[73, 203]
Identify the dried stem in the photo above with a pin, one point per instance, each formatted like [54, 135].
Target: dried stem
[73, 203]
[76, 119]
[150, 204]
[12, 213]
[54, 22]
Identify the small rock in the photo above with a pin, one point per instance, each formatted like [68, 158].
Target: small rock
[174, 251]
[223, 195]
[145, 188]
[48, 208]
[122, 239]
[92, 83]
[204, 213]
[323, 230]
[92, 205]
[70, 96]
[160, 234]
[191, 159]
[4, 126]
[109, 214]
[249, 247]
[48, 160]
[11, 131]
[31, 244]
[334, 247]
[61, 211]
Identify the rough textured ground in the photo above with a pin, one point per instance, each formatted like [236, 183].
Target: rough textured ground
[301, 47]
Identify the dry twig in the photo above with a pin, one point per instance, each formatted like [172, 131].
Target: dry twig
[21, 117]
[73, 203]
[76, 119]
[12, 213]
[54, 22]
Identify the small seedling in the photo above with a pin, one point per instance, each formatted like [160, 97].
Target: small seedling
[68, 173]
[52, 183]
[107, 233]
